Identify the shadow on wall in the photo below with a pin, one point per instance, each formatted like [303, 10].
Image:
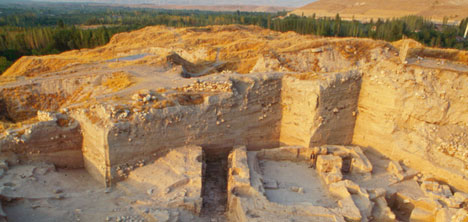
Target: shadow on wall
[337, 107]
[320, 110]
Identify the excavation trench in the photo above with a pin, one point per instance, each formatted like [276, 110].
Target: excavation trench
[214, 188]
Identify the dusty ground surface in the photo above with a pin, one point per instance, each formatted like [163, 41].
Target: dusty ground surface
[40, 193]
[147, 114]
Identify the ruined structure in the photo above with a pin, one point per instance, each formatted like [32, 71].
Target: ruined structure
[192, 124]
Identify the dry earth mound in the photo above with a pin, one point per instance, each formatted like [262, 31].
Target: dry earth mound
[366, 10]
[191, 124]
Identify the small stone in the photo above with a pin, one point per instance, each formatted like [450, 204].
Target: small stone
[150, 191]
[316, 50]
[60, 196]
[270, 184]
[323, 151]
[297, 189]
[3, 165]
[316, 150]
[161, 215]
[147, 98]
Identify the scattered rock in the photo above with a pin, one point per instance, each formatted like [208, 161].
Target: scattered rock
[296, 189]
[270, 184]
[150, 191]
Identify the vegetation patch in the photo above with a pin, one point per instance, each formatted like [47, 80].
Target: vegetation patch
[118, 81]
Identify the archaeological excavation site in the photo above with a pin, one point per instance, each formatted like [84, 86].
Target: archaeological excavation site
[236, 123]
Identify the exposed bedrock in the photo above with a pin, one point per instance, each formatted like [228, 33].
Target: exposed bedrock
[55, 139]
[418, 115]
[21, 101]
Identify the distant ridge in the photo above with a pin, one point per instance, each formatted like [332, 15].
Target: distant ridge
[226, 8]
[283, 3]
[436, 10]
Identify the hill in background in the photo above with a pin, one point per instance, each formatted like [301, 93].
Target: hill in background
[364, 10]
[203, 5]
[283, 3]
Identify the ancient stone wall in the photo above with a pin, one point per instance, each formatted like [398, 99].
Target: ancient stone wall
[55, 139]
[250, 114]
[95, 152]
[321, 110]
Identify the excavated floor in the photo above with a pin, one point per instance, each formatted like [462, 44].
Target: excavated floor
[302, 186]
[42, 193]
[332, 183]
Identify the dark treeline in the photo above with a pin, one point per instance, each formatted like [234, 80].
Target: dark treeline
[39, 29]
[415, 27]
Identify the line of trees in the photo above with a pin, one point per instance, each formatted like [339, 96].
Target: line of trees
[54, 28]
[18, 41]
[415, 27]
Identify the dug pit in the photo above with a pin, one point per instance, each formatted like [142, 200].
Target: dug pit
[357, 129]
[214, 190]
